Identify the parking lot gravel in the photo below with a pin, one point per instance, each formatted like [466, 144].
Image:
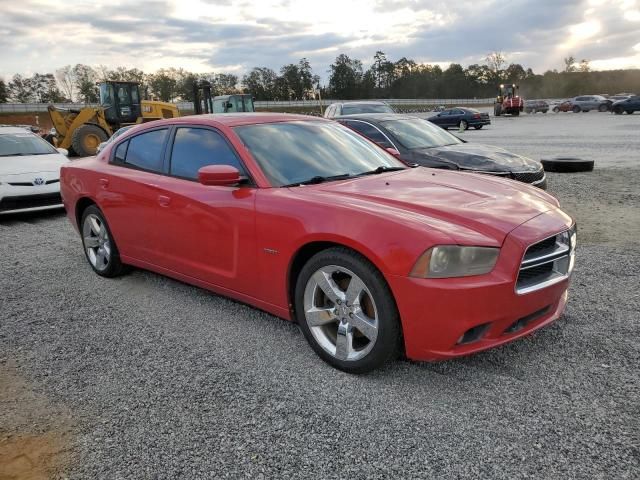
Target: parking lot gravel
[148, 378]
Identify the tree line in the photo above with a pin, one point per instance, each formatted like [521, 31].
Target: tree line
[348, 79]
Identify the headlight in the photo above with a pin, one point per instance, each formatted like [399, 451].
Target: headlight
[446, 261]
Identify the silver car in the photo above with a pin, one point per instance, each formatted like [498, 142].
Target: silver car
[585, 103]
[352, 108]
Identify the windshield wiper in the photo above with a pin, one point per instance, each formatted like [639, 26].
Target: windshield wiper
[382, 169]
[319, 179]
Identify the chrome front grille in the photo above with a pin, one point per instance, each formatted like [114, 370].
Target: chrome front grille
[547, 262]
[529, 177]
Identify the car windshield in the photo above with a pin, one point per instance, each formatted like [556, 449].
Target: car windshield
[18, 144]
[366, 108]
[292, 152]
[417, 133]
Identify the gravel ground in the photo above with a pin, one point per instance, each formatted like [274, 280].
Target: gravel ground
[148, 378]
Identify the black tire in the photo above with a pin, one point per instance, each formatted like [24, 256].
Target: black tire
[566, 165]
[630, 112]
[115, 266]
[603, 108]
[388, 341]
[618, 111]
[556, 110]
[478, 127]
[545, 111]
[516, 113]
[86, 138]
[576, 109]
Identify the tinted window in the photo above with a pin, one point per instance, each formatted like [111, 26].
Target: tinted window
[291, 152]
[194, 148]
[121, 152]
[370, 132]
[418, 133]
[145, 150]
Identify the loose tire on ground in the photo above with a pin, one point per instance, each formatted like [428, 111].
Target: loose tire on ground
[566, 165]
[333, 268]
[98, 243]
[85, 139]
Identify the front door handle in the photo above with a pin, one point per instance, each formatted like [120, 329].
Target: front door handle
[163, 200]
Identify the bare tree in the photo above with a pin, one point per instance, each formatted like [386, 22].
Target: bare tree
[570, 64]
[496, 62]
[584, 66]
[67, 81]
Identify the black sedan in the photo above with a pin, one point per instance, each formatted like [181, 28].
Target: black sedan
[630, 105]
[461, 117]
[417, 141]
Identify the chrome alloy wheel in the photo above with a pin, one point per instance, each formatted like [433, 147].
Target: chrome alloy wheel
[341, 313]
[96, 242]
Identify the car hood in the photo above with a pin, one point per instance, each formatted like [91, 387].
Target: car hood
[484, 158]
[468, 208]
[32, 164]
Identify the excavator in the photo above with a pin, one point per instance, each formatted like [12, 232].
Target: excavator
[81, 131]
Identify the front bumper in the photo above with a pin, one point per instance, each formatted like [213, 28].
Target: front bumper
[448, 318]
[28, 199]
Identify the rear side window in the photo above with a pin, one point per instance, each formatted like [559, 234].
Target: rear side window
[145, 150]
[194, 148]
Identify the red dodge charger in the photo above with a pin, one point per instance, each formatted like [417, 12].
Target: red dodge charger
[309, 221]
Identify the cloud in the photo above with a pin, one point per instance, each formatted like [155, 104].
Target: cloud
[235, 35]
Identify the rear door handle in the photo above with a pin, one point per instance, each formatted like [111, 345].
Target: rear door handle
[104, 182]
[164, 201]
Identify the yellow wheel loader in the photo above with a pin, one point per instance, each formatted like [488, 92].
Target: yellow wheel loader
[81, 131]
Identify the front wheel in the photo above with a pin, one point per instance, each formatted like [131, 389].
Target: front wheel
[99, 246]
[463, 124]
[346, 311]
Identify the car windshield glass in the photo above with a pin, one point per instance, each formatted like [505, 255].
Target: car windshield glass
[294, 152]
[24, 144]
[366, 108]
[417, 133]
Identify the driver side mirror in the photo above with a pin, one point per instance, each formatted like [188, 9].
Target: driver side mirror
[221, 175]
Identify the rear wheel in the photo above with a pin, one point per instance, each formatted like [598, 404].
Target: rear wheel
[99, 246]
[477, 127]
[86, 138]
[556, 109]
[602, 108]
[346, 311]
[516, 113]
[629, 112]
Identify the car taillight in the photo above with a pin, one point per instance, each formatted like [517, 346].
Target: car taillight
[477, 115]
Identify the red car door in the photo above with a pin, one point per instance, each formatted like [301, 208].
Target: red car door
[207, 232]
[129, 194]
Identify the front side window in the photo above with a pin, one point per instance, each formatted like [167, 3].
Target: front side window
[194, 148]
[292, 152]
[418, 133]
[145, 150]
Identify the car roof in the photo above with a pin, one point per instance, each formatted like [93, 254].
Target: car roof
[237, 119]
[377, 117]
[12, 130]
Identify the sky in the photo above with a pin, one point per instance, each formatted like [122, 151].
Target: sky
[232, 36]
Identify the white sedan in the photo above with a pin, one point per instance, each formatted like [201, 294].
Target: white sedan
[29, 172]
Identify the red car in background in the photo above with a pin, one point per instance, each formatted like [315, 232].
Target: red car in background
[307, 220]
[564, 106]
